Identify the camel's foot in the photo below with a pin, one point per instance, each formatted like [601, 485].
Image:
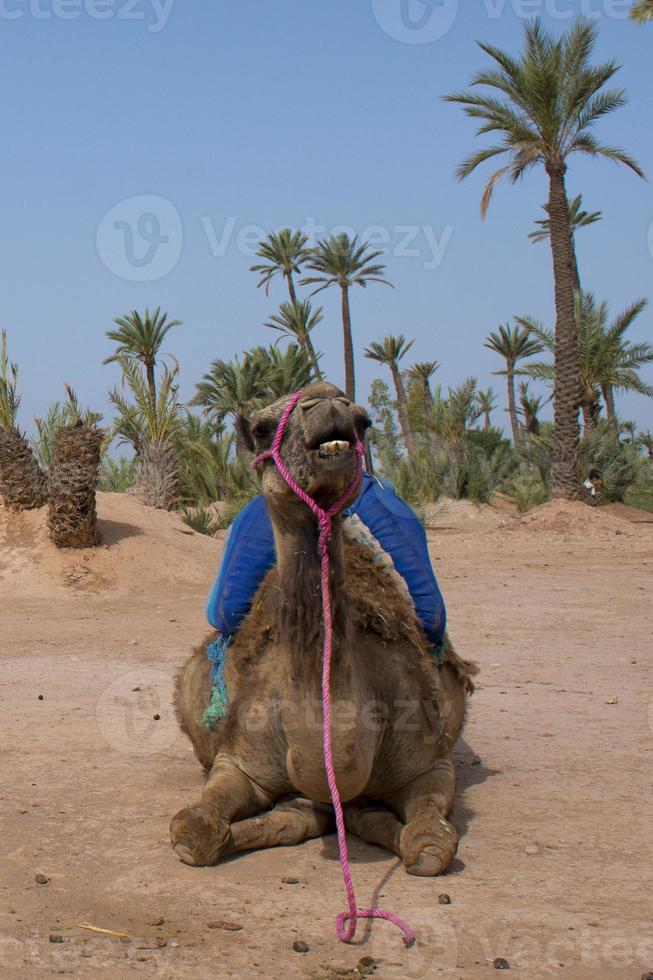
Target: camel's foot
[428, 845]
[199, 835]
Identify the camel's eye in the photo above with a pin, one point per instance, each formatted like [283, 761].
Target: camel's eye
[262, 429]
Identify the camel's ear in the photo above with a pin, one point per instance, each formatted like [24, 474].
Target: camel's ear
[244, 431]
[361, 420]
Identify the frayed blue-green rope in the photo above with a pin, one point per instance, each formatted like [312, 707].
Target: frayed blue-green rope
[439, 652]
[217, 654]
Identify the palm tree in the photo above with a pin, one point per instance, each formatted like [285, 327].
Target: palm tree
[233, 388]
[76, 455]
[390, 351]
[289, 370]
[284, 253]
[421, 374]
[642, 11]
[343, 261]
[140, 338]
[549, 99]
[578, 218]
[531, 406]
[645, 440]
[297, 319]
[487, 402]
[607, 361]
[22, 483]
[514, 344]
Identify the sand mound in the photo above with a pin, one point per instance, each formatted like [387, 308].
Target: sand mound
[143, 551]
[463, 515]
[573, 517]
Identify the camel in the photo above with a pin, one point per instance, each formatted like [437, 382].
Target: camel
[395, 712]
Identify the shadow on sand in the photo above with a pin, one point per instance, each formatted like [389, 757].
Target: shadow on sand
[114, 531]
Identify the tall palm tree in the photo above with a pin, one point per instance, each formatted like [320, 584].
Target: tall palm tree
[284, 253]
[140, 338]
[607, 360]
[421, 373]
[487, 402]
[297, 319]
[343, 261]
[549, 98]
[578, 218]
[514, 344]
[642, 11]
[390, 351]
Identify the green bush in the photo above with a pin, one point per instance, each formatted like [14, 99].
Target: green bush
[620, 463]
[527, 490]
[117, 477]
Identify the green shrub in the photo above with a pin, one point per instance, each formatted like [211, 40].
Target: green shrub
[117, 477]
[527, 490]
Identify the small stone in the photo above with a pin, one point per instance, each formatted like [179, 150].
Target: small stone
[444, 899]
[133, 643]
[41, 698]
[226, 925]
[161, 941]
[125, 940]
[300, 946]
[173, 944]
[532, 849]
[137, 688]
[366, 966]
[290, 881]
[157, 922]
[157, 717]
[501, 964]
[612, 701]
[56, 938]
[41, 880]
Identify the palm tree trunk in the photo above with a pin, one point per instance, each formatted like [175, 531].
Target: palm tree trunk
[487, 423]
[310, 350]
[567, 387]
[151, 381]
[608, 397]
[348, 346]
[291, 288]
[512, 407]
[402, 411]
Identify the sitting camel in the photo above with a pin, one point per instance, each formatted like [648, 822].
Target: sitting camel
[395, 712]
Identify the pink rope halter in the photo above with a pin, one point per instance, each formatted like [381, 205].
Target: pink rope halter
[324, 518]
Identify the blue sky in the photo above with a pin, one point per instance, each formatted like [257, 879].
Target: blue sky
[219, 118]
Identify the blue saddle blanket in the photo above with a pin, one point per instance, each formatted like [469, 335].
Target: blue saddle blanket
[249, 554]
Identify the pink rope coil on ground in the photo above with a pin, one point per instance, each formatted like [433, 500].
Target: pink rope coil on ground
[345, 932]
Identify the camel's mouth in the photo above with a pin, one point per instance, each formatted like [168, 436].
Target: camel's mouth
[336, 447]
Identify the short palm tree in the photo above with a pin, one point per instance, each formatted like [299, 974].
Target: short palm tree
[548, 100]
[152, 427]
[297, 319]
[140, 338]
[22, 483]
[390, 351]
[642, 11]
[421, 374]
[233, 388]
[645, 440]
[289, 370]
[531, 406]
[487, 402]
[514, 344]
[608, 361]
[284, 252]
[345, 262]
[76, 455]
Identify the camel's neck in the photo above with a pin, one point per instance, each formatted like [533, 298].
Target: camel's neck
[299, 611]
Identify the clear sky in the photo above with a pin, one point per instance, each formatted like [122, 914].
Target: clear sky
[216, 116]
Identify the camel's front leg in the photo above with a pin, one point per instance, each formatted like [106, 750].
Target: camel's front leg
[201, 833]
[289, 822]
[428, 842]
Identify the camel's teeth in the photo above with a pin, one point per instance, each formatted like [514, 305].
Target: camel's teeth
[334, 447]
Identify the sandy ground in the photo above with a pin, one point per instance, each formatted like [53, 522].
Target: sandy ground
[553, 872]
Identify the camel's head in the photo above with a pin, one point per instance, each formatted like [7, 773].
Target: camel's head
[317, 447]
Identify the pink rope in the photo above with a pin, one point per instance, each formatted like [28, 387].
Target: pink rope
[345, 933]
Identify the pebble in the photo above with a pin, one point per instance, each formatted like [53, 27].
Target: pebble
[532, 850]
[501, 964]
[41, 697]
[300, 946]
[41, 880]
[55, 938]
[444, 899]
[290, 881]
[225, 924]
[157, 922]
[366, 966]
[157, 717]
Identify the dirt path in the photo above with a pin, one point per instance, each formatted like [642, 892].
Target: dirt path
[554, 868]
